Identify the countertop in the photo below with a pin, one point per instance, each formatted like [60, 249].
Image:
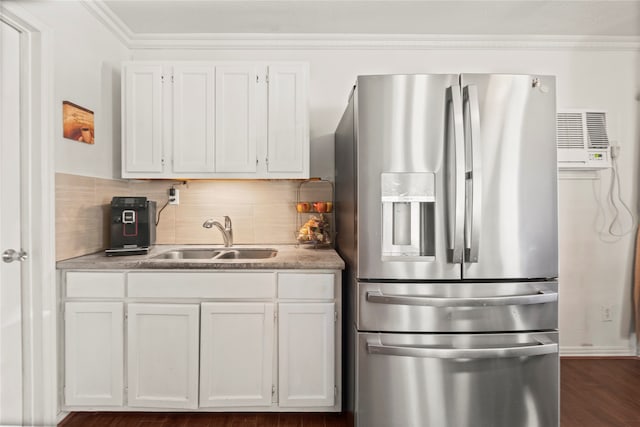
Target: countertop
[288, 257]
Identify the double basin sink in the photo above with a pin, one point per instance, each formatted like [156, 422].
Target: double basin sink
[215, 254]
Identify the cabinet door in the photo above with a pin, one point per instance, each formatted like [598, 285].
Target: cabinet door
[236, 361]
[288, 133]
[193, 118]
[163, 355]
[142, 119]
[306, 335]
[235, 118]
[93, 359]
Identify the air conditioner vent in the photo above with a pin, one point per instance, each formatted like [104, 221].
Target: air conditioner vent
[582, 140]
[570, 133]
[597, 130]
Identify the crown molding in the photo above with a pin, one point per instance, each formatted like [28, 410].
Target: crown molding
[252, 41]
[379, 42]
[105, 15]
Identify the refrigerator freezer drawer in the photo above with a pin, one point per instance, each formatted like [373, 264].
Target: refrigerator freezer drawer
[457, 307]
[457, 380]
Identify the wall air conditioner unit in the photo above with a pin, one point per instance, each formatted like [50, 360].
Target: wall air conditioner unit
[582, 140]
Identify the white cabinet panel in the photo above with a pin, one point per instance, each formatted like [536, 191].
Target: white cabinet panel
[94, 359]
[193, 118]
[306, 285]
[306, 335]
[236, 360]
[235, 118]
[288, 127]
[163, 355]
[88, 284]
[142, 119]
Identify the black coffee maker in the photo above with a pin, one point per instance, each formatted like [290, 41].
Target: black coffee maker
[133, 225]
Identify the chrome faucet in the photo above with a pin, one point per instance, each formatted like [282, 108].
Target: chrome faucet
[227, 232]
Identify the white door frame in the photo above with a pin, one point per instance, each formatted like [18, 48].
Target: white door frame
[39, 307]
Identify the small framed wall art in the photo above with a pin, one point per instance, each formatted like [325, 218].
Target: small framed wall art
[77, 123]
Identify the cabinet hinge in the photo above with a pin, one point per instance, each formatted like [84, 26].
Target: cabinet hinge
[257, 78]
[256, 162]
[266, 79]
[266, 160]
[275, 314]
[335, 390]
[273, 390]
[335, 316]
[171, 79]
[161, 79]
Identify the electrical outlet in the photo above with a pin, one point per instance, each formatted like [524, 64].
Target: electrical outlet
[174, 196]
[606, 313]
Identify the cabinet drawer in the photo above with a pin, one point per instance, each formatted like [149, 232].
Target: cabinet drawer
[305, 286]
[201, 285]
[94, 284]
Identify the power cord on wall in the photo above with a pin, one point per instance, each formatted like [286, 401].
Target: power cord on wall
[615, 199]
[172, 197]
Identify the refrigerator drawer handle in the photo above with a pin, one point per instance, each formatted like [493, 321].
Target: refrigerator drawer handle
[538, 298]
[462, 353]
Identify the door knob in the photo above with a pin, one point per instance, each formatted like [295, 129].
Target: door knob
[11, 255]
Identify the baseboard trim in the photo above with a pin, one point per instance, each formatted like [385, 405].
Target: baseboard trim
[597, 351]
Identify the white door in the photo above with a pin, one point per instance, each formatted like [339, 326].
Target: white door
[163, 355]
[306, 367]
[288, 121]
[11, 388]
[236, 118]
[236, 363]
[142, 120]
[94, 358]
[193, 118]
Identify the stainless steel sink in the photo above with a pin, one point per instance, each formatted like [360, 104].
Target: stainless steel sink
[189, 254]
[246, 254]
[219, 254]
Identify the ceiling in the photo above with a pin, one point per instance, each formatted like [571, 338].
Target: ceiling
[421, 17]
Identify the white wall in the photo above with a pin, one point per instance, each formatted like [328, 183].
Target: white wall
[595, 269]
[87, 59]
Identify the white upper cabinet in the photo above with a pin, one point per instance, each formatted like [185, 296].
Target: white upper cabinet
[215, 120]
[193, 118]
[142, 110]
[236, 118]
[288, 126]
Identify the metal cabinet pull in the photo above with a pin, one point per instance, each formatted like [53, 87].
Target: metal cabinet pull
[538, 298]
[537, 349]
[456, 218]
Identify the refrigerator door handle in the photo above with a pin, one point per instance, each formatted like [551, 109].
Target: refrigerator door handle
[537, 349]
[456, 215]
[473, 173]
[538, 298]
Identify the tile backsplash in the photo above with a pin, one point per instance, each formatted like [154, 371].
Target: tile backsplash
[261, 211]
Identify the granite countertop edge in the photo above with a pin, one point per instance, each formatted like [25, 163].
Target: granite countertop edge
[289, 257]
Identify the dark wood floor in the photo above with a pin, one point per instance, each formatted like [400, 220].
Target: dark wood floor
[593, 393]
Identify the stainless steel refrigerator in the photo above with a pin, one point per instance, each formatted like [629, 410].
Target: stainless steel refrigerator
[446, 199]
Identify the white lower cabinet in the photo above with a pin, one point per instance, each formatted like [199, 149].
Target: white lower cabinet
[225, 340]
[306, 335]
[162, 341]
[236, 354]
[93, 353]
